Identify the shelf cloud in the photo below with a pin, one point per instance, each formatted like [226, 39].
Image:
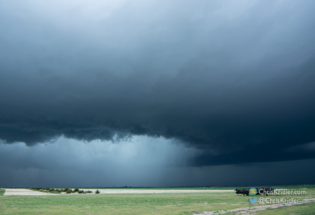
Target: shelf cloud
[233, 81]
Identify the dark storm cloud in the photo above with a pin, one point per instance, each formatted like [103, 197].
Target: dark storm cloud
[137, 161]
[232, 79]
[140, 161]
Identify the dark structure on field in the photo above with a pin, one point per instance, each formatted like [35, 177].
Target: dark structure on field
[261, 191]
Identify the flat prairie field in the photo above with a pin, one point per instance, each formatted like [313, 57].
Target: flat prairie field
[158, 203]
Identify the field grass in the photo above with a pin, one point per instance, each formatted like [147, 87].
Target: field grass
[184, 203]
[1, 192]
[292, 210]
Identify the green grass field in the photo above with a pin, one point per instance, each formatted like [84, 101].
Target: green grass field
[1, 192]
[188, 203]
[305, 209]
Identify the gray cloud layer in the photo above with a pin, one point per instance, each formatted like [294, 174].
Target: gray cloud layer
[226, 78]
[140, 161]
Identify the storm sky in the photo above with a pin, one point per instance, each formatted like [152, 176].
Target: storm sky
[157, 93]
